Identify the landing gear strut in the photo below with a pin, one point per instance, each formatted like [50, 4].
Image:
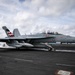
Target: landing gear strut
[50, 48]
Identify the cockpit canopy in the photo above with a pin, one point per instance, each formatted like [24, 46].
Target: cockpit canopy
[54, 33]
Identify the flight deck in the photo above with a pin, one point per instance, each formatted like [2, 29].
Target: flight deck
[31, 62]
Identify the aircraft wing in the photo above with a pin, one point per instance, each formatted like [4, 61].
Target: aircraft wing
[7, 39]
[10, 39]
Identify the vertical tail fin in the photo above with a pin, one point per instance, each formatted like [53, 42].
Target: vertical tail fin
[16, 32]
[9, 34]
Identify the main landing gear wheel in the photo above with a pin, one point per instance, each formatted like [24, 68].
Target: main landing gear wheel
[50, 48]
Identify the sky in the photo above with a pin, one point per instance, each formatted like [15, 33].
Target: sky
[36, 16]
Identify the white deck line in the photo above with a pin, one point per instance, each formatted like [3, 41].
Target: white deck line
[59, 64]
[66, 50]
[25, 60]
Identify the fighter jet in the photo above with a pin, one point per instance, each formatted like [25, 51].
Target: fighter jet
[34, 41]
[17, 41]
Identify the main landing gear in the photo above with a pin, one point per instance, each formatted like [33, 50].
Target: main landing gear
[50, 48]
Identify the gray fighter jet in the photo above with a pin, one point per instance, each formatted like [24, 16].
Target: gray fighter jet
[35, 41]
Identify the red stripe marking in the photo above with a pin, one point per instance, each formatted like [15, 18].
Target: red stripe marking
[10, 34]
